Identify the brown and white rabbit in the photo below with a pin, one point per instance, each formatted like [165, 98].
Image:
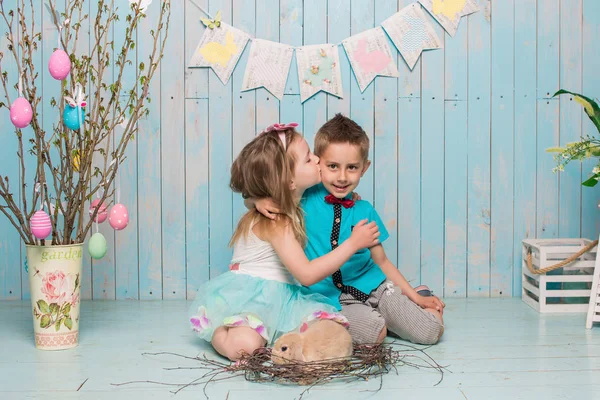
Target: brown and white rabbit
[323, 340]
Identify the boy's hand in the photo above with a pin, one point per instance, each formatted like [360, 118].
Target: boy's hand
[432, 302]
[267, 207]
[365, 235]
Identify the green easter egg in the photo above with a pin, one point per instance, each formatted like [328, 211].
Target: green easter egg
[97, 246]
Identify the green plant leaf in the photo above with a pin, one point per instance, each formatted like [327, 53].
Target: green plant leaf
[69, 323]
[66, 309]
[591, 182]
[590, 106]
[43, 306]
[554, 150]
[54, 309]
[57, 325]
[45, 322]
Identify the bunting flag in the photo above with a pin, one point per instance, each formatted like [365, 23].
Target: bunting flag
[449, 12]
[220, 48]
[411, 33]
[370, 56]
[369, 52]
[268, 66]
[319, 69]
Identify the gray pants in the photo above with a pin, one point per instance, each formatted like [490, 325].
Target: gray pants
[387, 305]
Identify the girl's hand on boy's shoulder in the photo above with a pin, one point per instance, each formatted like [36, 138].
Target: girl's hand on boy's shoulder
[267, 207]
[356, 196]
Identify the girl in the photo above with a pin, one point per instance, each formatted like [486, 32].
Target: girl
[260, 297]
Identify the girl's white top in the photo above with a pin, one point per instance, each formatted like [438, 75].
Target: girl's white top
[258, 258]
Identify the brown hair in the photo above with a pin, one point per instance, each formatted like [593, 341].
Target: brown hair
[265, 169]
[341, 129]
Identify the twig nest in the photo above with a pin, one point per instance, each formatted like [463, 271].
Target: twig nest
[97, 246]
[59, 65]
[40, 224]
[118, 217]
[102, 212]
[21, 112]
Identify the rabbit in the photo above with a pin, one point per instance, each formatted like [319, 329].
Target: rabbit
[370, 61]
[323, 340]
[449, 9]
[217, 53]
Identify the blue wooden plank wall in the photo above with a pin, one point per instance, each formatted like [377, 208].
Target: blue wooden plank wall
[460, 174]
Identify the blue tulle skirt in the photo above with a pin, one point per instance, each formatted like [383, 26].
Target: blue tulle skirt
[270, 307]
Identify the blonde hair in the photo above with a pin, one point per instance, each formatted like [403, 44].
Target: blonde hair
[341, 129]
[265, 169]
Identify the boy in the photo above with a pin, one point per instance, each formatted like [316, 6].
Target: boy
[370, 290]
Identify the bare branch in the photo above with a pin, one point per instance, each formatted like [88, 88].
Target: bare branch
[65, 160]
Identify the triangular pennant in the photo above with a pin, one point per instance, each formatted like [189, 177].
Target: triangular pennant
[268, 66]
[370, 56]
[319, 69]
[220, 49]
[449, 12]
[411, 33]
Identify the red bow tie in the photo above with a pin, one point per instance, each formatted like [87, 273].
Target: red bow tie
[331, 199]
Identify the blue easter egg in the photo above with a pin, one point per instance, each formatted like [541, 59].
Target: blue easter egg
[70, 117]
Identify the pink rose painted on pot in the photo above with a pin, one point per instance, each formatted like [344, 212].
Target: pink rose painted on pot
[57, 287]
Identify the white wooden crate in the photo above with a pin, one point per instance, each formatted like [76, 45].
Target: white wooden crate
[565, 287]
[594, 307]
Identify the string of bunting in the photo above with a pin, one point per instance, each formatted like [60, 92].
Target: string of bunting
[369, 53]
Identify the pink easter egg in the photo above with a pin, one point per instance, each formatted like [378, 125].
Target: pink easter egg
[40, 224]
[59, 65]
[102, 213]
[118, 217]
[21, 112]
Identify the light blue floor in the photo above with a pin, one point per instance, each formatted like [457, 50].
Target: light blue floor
[494, 348]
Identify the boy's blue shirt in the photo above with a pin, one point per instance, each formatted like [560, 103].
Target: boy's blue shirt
[360, 271]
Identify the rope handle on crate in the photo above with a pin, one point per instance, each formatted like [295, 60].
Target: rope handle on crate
[560, 264]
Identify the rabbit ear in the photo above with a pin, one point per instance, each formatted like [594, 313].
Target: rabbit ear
[70, 101]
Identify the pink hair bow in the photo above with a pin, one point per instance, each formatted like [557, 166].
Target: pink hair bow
[282, 127]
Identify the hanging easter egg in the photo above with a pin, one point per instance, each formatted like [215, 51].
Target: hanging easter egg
[102, 213]
[59, 64]
[70, 117]
[97, 246]
[118, 217]
[74, 113]
[40, 224]
[75, 162]
[21, 112]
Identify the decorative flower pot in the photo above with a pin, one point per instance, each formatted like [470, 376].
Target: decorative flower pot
[54, 281]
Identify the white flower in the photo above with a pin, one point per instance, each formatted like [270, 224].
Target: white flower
[143, 4]
[389, 288]
[596, 170]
